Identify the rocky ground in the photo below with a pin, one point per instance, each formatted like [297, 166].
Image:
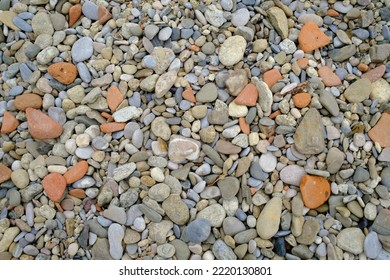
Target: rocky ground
[172, 129]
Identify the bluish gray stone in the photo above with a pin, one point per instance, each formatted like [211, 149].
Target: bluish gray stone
[22, 24]
[222, 251]
[198, 230]
[91, 10]
[82, 49]
[361, 175]
[16, 90]
[84, 73]
[25, 72]
[372, 245]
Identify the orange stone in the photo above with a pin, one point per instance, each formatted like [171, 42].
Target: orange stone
[381, 131]
[54, 185]
[271, 77]
[248, 96]
[41, 126]
[22, 102]
[301, 100]
[10, 123]
[194, 48]
[362, 67]
[104, 15]
[303, 62]
[112, 127]
[74, 14]
[106, 115]
[76, 172]
[243, 125]
[5, 173]
[188, 94]
[275, 114]
[311, 37]
[333, 13]
[63, 72]
[315, 191]
[329, 78]
[375, 74]
[78, 193]
[114, 98]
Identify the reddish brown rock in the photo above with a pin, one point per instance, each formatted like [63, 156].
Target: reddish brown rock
[381, 131]
[22, 102]
[74, 14]
[303, 62]
[375, 74]
[248, 96]
[329, 78]
[54, 185]
[79, 193]
[41, 126]
[271, 77]
[63, 72]
[5, 173]
[114, 98]
[10, 123]
[301, 100]
[311, 37]
[188, 94]
[244, 125]
[76, 172]
[112, 127]
[104, 15]
[315, 191]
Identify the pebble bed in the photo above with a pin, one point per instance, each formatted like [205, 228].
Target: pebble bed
[173, 129]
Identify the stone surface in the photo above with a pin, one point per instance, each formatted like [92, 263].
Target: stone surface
[54, 185]
[269, 219]
[41, 126]
[315, 191]
[351, 240]
[232, 50]
[311, 37]
[358, 91]
[308, 137]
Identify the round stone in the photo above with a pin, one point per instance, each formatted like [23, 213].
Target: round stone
[232, 50]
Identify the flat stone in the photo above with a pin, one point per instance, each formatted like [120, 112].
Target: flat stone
[116, 214]
[292, 174]
[334, 160]
[214, 16]
[181, 148]
[41, 24]
[361, 175]
[198, 230]
[101, 250]
[176, 209]
[5, 173]
[240, 17]
[382, 222]
[82, 49]
[164, 83]
[9, 124]
[328, 100]
[229, 187]
[351, 240]
[372, 245]
[127, 113]
[208, 93]
[315, 191]
[115, 237]
[379, 133]
[379, 53]
[279, 21]
[343, 53]
[269, 219]
[8, 237]
[215, 214]
[63, 72]
[54, 185]
[311, 37]
[358, 91]
[232, 226]
[268, 162]
[308, 137]
[309, 232]
[222, 251]
[123, 171]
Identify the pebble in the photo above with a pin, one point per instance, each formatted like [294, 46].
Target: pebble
[351, 240]
[82, 49]
[268, 162]
[198, 230]
[232, 50]
[269, 219]
[222, 251]
[115, 237]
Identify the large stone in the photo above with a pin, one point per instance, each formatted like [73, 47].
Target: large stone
[279, 21]
[380, 91]
[315, 191]
[176, 210]
[308, 137]
[268, 222]
[232, 50]
[351, 240]
[182, 148]
[41, 126]
[358, 91]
